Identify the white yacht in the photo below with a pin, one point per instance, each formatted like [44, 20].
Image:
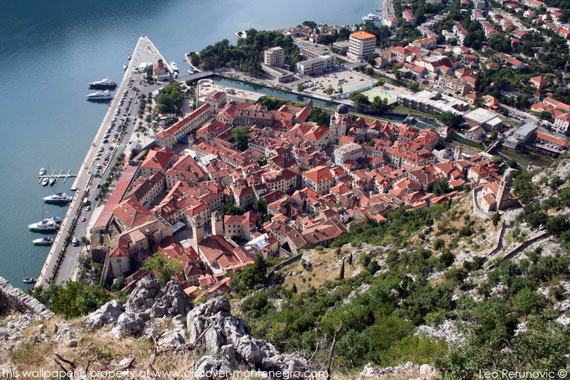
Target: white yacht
[57, 198]
[100, 96]
[42, 171]
[372, 17]
[174, 66]
[103, 83]
[56, 219]
[45, 181]
[44, 225]
[43, 241]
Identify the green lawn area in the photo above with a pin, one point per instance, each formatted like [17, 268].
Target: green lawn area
[401, 109]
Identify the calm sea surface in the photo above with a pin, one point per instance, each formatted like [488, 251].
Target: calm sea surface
[50, 50]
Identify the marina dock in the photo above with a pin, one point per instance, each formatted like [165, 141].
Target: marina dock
[57, 177]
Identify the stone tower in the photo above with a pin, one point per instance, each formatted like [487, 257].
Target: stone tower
[217, 223]
[310, 104]
[457, 153]
[340, 122]
[504, 189]
[198, 233]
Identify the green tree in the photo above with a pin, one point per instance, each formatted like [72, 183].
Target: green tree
[310, 24]
[450, 119]
[329, 90]
[527, 301]
[380, 105]
[441, 187]
[341, 274]
[164, 269]
[241, 137]
[250, 275]
[300, 87]
[231, 209]
[72, 300]
[360, 101]
[319, 116]
[169, 99]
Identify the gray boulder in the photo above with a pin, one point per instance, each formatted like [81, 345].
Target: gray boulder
[107, 314]
[173, 302]
[143, 297]
[148, 301]
[230, 338]
[128, 323]
[174, 336]
[209, 367]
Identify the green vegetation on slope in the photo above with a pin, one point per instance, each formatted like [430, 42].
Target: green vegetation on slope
[248, 53]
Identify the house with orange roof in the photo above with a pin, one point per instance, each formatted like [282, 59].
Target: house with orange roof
[242, 226]
[157, 160]
[219, 254]
[562, 121]
[179, 130]
[319, 179]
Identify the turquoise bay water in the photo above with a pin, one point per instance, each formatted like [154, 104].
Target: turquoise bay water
[48, 53]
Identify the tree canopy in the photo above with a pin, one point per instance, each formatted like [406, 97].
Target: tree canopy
[169, 99]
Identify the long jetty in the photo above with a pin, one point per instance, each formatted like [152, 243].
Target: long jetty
[57, 253]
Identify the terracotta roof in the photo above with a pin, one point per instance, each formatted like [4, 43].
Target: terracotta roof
[131, 213]
[318, 174]
[362, 35]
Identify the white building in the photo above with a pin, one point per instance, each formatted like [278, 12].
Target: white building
[349, 151]
[361, 45]
[274, 56]
[316, 65]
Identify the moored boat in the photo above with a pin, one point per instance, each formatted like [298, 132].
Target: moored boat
[57, 198]
[99, 96]
[103, 83]
[43, 241]
[44, 225]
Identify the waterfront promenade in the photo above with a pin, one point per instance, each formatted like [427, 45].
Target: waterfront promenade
[62, 258]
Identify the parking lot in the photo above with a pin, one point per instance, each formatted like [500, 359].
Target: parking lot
[348, 80]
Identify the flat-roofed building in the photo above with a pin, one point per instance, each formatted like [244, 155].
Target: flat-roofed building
[274, 56]
[316, 65]
[361, 45]
[485, 118]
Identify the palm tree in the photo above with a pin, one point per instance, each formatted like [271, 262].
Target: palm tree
[84, 241]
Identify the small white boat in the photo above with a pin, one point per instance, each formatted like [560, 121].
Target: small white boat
[52, 181]
[42, 171]
[29, 280]
[100, 96]
[45, 181]
[43, 241]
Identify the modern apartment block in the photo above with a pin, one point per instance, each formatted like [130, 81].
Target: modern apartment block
[274, 56]
[361, 45]
[316, 65]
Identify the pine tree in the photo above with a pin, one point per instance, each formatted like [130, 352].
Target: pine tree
[341, 274]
